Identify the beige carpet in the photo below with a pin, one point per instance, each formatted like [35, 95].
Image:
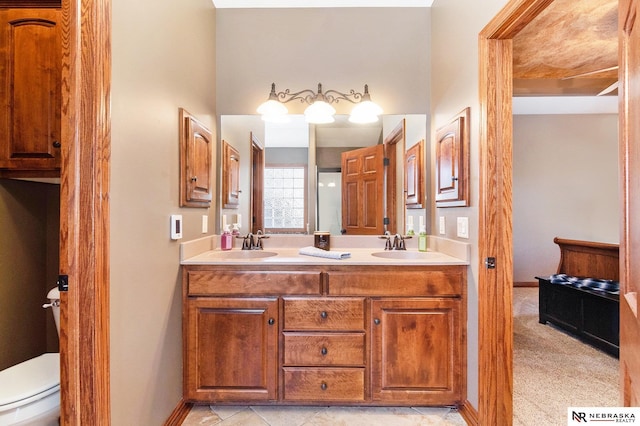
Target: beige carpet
[553, 370]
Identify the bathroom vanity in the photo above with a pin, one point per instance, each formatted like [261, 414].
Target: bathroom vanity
[290, 329]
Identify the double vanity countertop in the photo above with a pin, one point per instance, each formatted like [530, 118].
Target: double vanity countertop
[363, 250]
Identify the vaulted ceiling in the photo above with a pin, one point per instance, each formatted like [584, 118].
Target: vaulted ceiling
[569, 38]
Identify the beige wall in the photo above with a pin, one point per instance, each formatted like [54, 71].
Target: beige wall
[565, 181]
[342, 48]
[455, 85]
[163, 59]
[29, 233]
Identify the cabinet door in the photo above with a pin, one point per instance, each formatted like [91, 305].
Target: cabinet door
[413, 176]
[230, 176]
[196, 186]
[231, 349]
[452, 162]
[30, 89]
[417, 351]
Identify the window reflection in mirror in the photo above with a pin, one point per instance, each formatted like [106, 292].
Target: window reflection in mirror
[318, 148]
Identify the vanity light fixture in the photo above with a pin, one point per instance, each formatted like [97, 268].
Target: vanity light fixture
[320, 109]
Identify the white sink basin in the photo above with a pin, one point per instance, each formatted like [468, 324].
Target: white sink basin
[402, 254]
[244, 254]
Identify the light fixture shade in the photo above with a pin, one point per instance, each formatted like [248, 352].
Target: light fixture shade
[319, 112]
[272, 107]
[365, 112]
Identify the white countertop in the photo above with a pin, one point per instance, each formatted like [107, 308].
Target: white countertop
[285, 251]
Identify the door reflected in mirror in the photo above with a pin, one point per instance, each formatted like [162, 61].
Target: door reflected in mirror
[319, 149]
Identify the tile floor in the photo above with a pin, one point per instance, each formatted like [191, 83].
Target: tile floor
[322, 416]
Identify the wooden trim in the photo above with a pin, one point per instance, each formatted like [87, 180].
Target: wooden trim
[15, 4]
[495, 305]
[395, 137]
[469, 414]
[513, 17]
[256, 216]
[525, 284]
[179, 414]
[84, 212]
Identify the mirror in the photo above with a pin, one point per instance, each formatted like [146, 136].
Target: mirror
[317, 149]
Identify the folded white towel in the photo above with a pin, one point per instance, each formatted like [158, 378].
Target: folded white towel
[313, 251]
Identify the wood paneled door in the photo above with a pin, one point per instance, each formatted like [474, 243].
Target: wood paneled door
[362, 188]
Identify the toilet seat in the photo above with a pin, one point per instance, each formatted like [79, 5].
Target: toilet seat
[29, 381]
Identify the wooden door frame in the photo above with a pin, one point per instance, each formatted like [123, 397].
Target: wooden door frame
[629, 160]
[395, 139]
[84, 212]
[256, 204]
[495, 302]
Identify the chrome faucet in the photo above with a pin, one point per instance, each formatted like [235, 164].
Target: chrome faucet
[247, 241]
[387, 237]
[253, 242]
[397, 243]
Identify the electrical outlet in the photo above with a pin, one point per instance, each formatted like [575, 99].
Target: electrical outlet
[442, 227]
[205, 223]
[463, 227]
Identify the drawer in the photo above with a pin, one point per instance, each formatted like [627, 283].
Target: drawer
[345, 349]
[446, 281]
[334, 314]
[323, 384]
[269, 283]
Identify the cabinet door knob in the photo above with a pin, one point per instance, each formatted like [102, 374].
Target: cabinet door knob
[323, 351]
[56, 144]
[324, 314]
[323, 386]
[376, 321]
[194, 178]
[271, 321]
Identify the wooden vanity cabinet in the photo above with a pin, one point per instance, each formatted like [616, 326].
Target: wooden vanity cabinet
[231, 349]
[324, 354]
[311, 334]
[416, 347]
[30, 92]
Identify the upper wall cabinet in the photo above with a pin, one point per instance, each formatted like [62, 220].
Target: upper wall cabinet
[30, 92]
[230, 176]
[414, 176]
[452, 162]
[196, 148]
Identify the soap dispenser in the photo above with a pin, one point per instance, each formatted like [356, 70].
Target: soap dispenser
[226, 239]
[422, 236]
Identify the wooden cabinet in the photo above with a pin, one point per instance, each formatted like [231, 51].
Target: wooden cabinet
[354, 335]
[416, 347]
[452, 162]
[30, 92]
[231, 349]
[230, 176]
[324, 349]
[196, 157]
[414, 176]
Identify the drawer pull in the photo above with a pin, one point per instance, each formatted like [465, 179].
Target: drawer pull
[271, 321]
[324, 350]
[323, 386]
[324, 314]
[376, 321]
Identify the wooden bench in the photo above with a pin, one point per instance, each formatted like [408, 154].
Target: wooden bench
[591, 315]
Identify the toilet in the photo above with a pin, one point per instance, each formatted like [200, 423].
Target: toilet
[30, 391]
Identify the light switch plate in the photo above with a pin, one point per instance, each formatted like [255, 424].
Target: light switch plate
[463, 227]
[442, 227]
[176, 226]
[205, 223]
